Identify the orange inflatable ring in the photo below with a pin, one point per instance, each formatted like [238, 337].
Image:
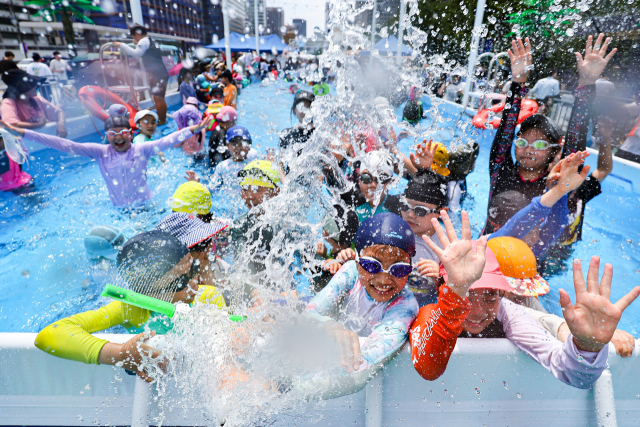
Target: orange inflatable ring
[88, 95]
[480, 120]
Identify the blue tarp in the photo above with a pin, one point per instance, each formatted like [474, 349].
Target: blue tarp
[241, 43]
[388, 46]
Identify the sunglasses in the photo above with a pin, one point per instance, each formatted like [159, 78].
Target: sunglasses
[367, 178]
[418, 210]
[123, 132]
[540, 144]
[373, 266]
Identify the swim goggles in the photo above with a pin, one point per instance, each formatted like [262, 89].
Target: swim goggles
[373, 266]
[123, 132]
[367, 178]
[418, 210]
[540, 144]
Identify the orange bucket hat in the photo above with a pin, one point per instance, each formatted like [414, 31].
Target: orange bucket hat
[518, 264]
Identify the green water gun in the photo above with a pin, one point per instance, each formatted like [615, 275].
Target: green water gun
[149, 303]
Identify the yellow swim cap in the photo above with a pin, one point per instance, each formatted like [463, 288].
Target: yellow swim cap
[191, 197]
[440, 160]
[260, 173]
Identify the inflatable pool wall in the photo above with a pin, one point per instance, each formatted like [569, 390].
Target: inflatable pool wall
[487, 382]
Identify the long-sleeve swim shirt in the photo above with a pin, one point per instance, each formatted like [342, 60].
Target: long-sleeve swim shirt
[70, 338]
[556, 219]
[384, 325]
[565, 362]
[125, 173]
[435, 332]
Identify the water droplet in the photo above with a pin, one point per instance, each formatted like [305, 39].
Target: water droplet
[519, 396]
[504, 383]
[438, 403]
[79, 418]
[477, 390]
[25, 274]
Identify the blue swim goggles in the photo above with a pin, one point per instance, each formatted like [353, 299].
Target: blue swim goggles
[373, 266]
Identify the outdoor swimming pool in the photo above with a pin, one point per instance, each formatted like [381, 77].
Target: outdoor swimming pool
[47, 274]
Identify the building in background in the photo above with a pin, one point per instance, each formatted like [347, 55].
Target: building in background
[213, 24]
[180, 18]
[237, 15]
[251, 15]
[300, 27]
[35, 40]
[275, 21]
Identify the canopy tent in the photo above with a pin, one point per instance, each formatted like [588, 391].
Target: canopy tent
[241, 43]
[389, 47]
[237, 42]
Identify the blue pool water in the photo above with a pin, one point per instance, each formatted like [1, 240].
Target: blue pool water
[47, 274]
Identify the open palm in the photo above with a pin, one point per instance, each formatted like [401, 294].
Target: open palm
[463, 265]
[595, 60]
[520, 57]
[593, 318]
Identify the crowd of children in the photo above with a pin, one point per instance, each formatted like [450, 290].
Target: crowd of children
[395, 269]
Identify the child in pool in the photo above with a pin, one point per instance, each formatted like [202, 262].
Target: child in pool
[539, 140]
[372, 308]
[147, 122]
[225, 176]
[163, 262]
[189, 115]
[123, 165]
[593, 319]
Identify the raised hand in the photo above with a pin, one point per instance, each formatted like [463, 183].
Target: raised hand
[12, 129]
[593, 318]
[423, 157]
[564, 177]
[463, 265]
[520, 57]
[591, 67]
[191, 176]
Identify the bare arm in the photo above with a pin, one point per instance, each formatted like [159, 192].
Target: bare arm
[605, 155]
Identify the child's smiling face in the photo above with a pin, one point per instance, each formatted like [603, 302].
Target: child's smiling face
[148, 125]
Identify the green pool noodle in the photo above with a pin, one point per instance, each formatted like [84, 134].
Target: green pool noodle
[139, 300]
[149, 303]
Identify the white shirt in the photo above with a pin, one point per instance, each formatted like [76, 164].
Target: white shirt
[59, 67]
[545, 87]
[141, 48]
[39, 69]
[451, 93]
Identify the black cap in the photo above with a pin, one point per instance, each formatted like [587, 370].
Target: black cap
[543, 124]
[505, 205]
[303, 95]
[427, 187]
[19, 82]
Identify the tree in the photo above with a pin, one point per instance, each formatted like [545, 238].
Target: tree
[543, 18]
[65, 9]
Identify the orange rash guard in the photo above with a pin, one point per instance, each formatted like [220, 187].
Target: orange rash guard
[435, 331]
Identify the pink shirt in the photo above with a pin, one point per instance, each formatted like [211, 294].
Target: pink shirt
[124, 173]
[13, 112]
